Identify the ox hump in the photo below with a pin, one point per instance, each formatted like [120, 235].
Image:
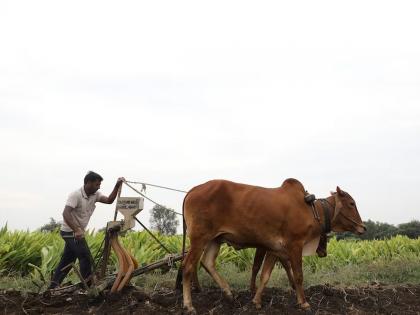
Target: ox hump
[293, 183]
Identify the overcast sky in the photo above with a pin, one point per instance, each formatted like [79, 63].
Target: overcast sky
[177, 93]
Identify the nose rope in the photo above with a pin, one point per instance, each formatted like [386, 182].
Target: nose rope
[351, 220]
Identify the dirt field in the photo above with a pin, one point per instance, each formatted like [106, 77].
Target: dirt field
[374, 299]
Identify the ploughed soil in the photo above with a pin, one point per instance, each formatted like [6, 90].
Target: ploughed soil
[324, 299]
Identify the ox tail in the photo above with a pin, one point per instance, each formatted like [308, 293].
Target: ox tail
[178, 285]
[184, 229]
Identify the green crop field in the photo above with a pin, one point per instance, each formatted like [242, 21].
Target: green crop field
[33, 255]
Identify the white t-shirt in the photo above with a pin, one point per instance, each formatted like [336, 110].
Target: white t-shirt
[83, 207]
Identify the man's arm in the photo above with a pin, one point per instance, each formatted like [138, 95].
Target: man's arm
[110, 199]
[72, 223]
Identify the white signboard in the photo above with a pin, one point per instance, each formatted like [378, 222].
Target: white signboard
[129, 207]
[130, 203]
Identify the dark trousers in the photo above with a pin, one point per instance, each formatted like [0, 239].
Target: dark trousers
[73, 249]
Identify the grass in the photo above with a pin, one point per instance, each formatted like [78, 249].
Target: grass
[397, 271]
[404, 271]
[11, 282]
[27, 260]
[391, 272]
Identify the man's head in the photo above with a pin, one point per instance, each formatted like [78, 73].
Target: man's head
[92, 182]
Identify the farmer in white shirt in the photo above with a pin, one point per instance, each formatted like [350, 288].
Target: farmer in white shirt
[77, 212]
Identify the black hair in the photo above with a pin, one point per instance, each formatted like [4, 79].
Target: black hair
[92, 176]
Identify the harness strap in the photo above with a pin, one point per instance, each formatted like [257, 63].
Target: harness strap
[327, 216]
[315, 212]
[326, 226]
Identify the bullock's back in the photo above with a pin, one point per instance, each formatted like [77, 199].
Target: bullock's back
[222, 204]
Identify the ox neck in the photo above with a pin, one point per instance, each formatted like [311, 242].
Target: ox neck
[327, 208]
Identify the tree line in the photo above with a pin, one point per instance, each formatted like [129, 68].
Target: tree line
[380, 230]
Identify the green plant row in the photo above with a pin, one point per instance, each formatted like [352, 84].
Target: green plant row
[24, 252]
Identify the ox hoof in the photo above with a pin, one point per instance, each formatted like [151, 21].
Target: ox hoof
[228, 296]
[257, 304]
[189, 310]
[305, 306]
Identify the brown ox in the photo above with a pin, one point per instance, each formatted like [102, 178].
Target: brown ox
[275, 219]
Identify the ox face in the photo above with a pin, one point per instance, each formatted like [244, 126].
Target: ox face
[346, 216]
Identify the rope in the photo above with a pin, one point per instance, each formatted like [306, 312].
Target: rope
[163, 187]
[143, 195]
[156, 239]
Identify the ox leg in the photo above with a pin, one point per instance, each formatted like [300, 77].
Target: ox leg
[288, 268]
[208, 261]
[189, 268]
[269, 262]
[256, 266]
[195, 283]
[296, 264]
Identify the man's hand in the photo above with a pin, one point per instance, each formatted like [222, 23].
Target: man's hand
[110, 199]
[120, 181]
[79, 234]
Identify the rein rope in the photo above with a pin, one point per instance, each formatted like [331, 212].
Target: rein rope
[351, 220]
[158, 186]
[151, 200]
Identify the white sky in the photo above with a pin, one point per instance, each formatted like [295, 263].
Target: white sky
[177, 93]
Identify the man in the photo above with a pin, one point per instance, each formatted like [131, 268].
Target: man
[77, 212]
